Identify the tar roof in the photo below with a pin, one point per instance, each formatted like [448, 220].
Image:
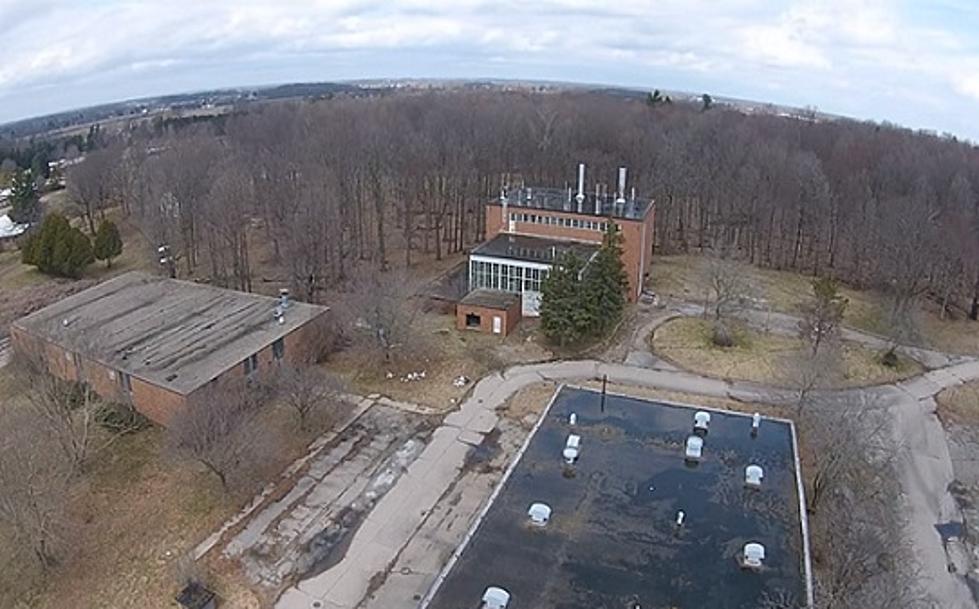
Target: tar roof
[491, 299]
[176, 334]
[533, 249]
[612, 541]
[556, 199]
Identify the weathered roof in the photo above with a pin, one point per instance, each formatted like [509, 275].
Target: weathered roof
[533, 249]
[491, 299]
[175, 334]
[556, 199]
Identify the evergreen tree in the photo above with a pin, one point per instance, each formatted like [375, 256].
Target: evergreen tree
[58, 248]
[564, 317]
[605, 283]
[108, 243]
[25, 207]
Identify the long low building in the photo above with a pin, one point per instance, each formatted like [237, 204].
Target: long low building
[158, 342]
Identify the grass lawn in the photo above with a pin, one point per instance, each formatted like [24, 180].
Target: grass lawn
[960, 405]
[682, 277]
[450, 354]
[759, 356]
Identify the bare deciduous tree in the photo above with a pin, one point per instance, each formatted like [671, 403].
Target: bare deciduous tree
[382, 312]
[34, 479]
[729, 289]
[219, 429]
[309, 391]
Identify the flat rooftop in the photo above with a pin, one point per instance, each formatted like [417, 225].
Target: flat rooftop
[611, 540]
[563, 200]
[533, 249]
[491, 299]
[175, 334]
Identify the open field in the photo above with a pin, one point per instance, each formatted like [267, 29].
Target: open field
[760, 357]
[682, 277]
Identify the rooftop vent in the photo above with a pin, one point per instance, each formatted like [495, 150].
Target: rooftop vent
[580, 197]
[753, 555]
[694, 448]
[539, 514]
[495, 598]
[680, 517]
[701, 421]
[753, 475]
[755, 423]
[573, 419]
[571, 449]
[284, 298]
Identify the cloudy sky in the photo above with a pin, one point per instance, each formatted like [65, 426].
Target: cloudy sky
[913, 62]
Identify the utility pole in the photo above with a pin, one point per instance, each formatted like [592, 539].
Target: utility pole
[604, 384]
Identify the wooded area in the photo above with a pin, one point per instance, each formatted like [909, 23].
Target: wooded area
[330, 184]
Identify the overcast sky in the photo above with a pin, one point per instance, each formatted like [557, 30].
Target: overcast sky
[913, 62]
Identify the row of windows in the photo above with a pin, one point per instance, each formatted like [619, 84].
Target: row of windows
[250, 364]
[559, 221]
[507, 277]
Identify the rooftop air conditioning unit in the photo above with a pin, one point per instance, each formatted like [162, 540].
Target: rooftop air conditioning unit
[753, 556]
[539, 514]
[701, 421]
[694, 448]
[495, 598]
[753, 475]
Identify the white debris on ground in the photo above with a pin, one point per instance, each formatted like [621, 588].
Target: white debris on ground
[413, 376]
[9, 228]
[460, 381]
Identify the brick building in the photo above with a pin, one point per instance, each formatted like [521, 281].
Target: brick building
[527, 229]
[158, 343]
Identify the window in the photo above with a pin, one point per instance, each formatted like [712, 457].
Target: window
[279, 348]
[126, 382]
[251, 364]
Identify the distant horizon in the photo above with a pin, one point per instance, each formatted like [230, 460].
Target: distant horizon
[913, 63]
[478, 79]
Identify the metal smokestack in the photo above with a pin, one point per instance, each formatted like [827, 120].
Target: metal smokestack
[621, 198]
[580, 197]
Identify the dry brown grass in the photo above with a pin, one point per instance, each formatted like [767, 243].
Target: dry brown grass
[451, 353]
[681, 277]
[133, 518]
[960, 405]
[759, 356]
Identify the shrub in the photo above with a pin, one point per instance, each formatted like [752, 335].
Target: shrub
[721, 335]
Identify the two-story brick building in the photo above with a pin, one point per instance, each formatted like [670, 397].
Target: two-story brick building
[158, 343]
[527, 229]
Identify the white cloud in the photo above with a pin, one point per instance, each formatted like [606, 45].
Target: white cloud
[872, 58]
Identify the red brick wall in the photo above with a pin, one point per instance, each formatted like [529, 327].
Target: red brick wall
[634, 241]
[510, 318]
[155, 402]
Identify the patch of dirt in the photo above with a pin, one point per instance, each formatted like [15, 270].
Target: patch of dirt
[525, 406]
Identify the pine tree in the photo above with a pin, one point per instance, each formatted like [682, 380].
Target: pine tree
[605, 283]
[108, 243]
[25, 206]
[564, 317]
[58, 248]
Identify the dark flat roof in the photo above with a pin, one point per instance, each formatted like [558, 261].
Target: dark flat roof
[175, 334]
[611, 541]
[491, 299]
[556, 199]
[533, 249]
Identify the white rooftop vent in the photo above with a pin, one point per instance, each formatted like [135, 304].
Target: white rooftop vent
[754, 554]
[680, 517]
[574, 441]
[695, 448]
[495, 598]
[753, 475]
[539, 513]
[570, 455]
[573, 419]
[755, 423]
[701, 421]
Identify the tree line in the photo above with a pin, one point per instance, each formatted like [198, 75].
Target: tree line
[319, 188]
